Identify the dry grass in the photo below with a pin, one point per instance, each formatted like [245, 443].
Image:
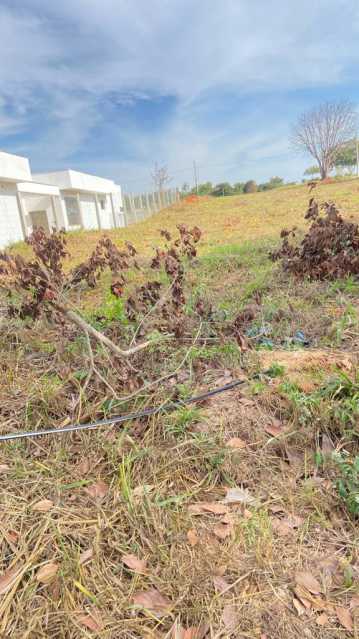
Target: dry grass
[115, 492]
[228, 220]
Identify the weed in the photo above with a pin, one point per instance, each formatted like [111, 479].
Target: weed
[348, 481]
[275, 370]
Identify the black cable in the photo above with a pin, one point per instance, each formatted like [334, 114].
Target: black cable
[122, 418]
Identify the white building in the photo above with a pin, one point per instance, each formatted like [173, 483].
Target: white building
[25, 204]
[62, 199]
[90, 202]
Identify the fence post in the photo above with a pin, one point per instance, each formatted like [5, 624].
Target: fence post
[148, 208]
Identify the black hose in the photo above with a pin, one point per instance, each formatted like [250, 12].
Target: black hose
[122, 418]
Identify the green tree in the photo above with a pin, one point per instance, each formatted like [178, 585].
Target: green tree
[238, 187]
[273, 183]
[221, 189]
[346, 157]
[204, 189]
[250, 187]
[312, 170]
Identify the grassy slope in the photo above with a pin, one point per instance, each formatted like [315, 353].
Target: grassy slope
[154, 471]
[227, 220]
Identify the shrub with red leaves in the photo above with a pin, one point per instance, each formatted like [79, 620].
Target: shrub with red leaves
[329, 250]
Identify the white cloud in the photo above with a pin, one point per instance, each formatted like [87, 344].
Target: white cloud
[63, 60]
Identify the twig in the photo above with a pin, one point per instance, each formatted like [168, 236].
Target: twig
[168, 375]
[158, 303]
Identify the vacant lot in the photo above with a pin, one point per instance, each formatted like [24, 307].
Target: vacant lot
[230, 518]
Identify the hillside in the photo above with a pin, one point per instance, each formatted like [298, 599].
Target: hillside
[228, 220]
[232, 517]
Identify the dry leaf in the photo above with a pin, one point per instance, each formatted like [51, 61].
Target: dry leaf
[142, 489]
[98, 490]
[207, 507]
[223, 530]
[90, 622]
[13, 536]
[304, 596]
[286, 525]
[273, 429]
[298, 606]
[246, 402]
[192, 537]
[344, 618]
[239, 496]
[236, 442]
[310, 601]
[153, 601]
[230, 618]
[308, 581]
[322, 620]
[46, 573]
[84, 466]
[85, 556]
[4, 468]
[281, 527]
[194, 632]
[43, 506]
[220, 584]
[354, 602]
[135, 564]
[8, 578]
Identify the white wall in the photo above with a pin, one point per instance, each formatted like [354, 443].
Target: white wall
[88, 211]
[106, 215]
[14, 168]
[118, 204]
[10, 221]
[77, 181]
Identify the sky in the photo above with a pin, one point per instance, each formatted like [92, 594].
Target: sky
[110, 87]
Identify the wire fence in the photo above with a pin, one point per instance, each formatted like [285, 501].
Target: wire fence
[139, 207]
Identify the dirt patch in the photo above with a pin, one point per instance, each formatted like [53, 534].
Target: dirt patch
[303, 366]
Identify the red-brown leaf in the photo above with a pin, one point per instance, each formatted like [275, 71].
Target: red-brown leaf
[91, 622]
[85, 556]
[344, 618]
[153, 601]
[230, 617]
[192, 537]
[43, 506]
[134, 563]
[8, 578]
[236, 442]
[98, 490]
[220, 584]
[223, 530]
[308, 581]
[46, 573]
[194, 632]
[208, 507]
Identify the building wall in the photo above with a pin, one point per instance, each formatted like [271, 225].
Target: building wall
[14, 167]
[10, 221]
[88, 211]
[105, 211]
[118, 207]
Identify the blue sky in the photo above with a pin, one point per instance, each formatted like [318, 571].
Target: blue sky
[113, 86]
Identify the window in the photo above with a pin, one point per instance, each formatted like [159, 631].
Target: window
[72, 210]
[103, 203]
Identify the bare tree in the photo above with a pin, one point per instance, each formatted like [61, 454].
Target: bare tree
[160, 176]
[322, 131]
